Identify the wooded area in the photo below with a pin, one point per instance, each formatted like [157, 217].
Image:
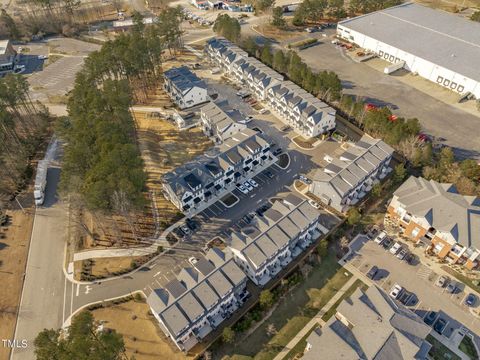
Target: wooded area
[24, 125]
[102, 163]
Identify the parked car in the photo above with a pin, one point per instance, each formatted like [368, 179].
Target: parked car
[277, 151]
[192, 260]
[253, 183]
[263, 111]
[440, 325]
[410, 259]
[396, 291]
[470, 300]
[42, 57]
[286, 128]
[396, 247]
[372, 272]
[242, 189]
[314, 204]
[247, 185]
[269, 174]
[387, 243]
[305, 179]
[452, 287]
[430, 318]
[442, 281]
[380, 237]
[185, 229]
[402, 253]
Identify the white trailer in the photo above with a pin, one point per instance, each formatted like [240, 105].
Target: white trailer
[40, 182]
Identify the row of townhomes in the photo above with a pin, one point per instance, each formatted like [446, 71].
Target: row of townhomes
[436, 215]
[217, 124]
[269, 245]
[200, 183]
[306, 114]
[197, 301]
[347, 179]
[200, 298]
[370, 325]
[184, 87]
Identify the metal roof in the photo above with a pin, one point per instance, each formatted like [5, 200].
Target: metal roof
[442, 38]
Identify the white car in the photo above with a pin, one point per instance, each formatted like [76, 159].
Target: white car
[380, 237]
[242, 188]
[192, 260]
[263, 111]
[314, 204]
[42, 57]
[395, 291]
[253, 183]
[247, 185]
[396, 248]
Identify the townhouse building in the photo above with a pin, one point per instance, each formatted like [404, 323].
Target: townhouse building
[203, 181]
[285, 231]
[436, 215]
[184, 87]
[217, 124]
[306, 114]
[346, 180]
[199, 299]
[370, 326]
[8, 57]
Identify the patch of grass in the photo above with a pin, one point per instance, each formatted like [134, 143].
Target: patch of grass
[57, 99]
[358, 283]
[440, 351]
[294, 311]
[462, 278]
[229, 199]
[52, 59]
[467, 347]
[303, 44]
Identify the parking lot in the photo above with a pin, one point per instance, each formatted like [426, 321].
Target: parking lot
[418, 279]
[390, 90]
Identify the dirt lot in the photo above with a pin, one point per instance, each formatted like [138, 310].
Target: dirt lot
[106, 267]
[13, 255]
[142, 337]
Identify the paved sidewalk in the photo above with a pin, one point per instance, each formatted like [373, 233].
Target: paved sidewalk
[317, 319]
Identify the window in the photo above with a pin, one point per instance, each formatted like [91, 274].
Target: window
[453, 85]
[446, 82]
[460, 88]
[439, 79]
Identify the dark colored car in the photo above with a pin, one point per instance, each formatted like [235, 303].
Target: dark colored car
[452, 287]
[372, 272]
[440, 325]
[410, 259]
[430, 318]
[470, 300]
[387, 243]
[269, 174]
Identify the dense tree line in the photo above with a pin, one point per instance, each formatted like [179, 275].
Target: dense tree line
[102, 162]
[312, 11]
[43, 17]
[325, 84]
[23, 127]
[442, 167]
[228, 27]
[368, 6]
[83, 341]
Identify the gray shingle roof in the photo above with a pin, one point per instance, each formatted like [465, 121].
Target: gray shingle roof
[436, 36]
[379, 329]
[443, 208]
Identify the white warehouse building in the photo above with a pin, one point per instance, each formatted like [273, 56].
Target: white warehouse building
[437, 45]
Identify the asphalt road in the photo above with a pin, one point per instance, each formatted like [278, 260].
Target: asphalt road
[42, 298]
